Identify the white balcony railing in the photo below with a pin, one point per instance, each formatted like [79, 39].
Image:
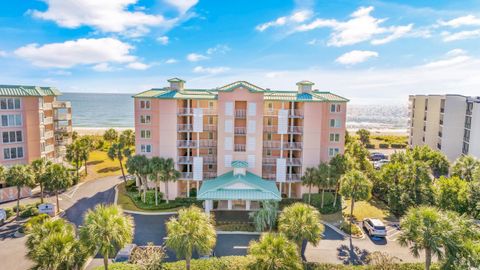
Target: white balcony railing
[184, 127]
[63, 142]
[295, 114]
[209, 160]
[47, 120]
[62, 104]
[240, 131]
[269, 160]
[189, 111]
[271, 144]
[240, 148]
[294, 177]
[63, 116]
[47, 106]
[294, 162]
[270, 112]
[210, 127]
[193, 144]
[186, 144]
[292, 145]
[240, 113]
[186, 175]
[185, 160]
[295, 129]
[48, 134]
[270, 129]
[209, 175]
[48, 149]
[66, 129]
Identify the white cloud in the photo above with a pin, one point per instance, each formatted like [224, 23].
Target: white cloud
[182, 5]
[171, 61]
[313, 42]
[163, 40]
[452, 58]
[462, 21]
[77, 52]
[106, 16]
[220, 48]
[210, 70]
[456, 52]
[102, 67]
[138, 66]
[61, 73]
[195, 57]
[361, 27]
[355, 57]
[297, 17]
[467, 34]
[3, 53]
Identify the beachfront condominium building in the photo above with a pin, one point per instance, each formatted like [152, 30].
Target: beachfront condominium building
[239, 143]
[450, 123]
[34, 124]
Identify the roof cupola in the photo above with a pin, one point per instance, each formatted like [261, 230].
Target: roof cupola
[177, 84]
[305, 86]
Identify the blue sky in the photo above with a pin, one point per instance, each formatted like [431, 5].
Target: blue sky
[369, 51]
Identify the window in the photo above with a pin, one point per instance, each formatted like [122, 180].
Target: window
[268, 153]
[335, 123]
[145, 104]
[468, 122]
[269, 136]
[210, 104]
[13, 153]
[145, 119]
[145, 134]
[210, 167]
[12, 136]
[10, 103]
[210, 135]
[334, 137]
[210, 120]
[11, 120]
[210, 151]
[270, 106]
[333, 152]
[269, 121]
[146, 148]
[335, 108]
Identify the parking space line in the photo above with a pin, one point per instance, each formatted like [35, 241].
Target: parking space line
[240, 247]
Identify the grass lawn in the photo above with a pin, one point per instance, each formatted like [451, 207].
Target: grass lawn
[100, 165]
[369, 209]
[127, 203]
[378, 139]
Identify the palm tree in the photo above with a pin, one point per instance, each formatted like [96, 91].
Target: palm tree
[74, 155]
[127, 137]
[106, 229]
[39, 167]
[86, 147]
[53, 245]
[274, 252]
[300, 222]
[156, 168]
[309, 179]
[355, 186]
[323, 182]
[57, 178]
[20, 176]
[465, 167]
[138, 165]
[169, 174]
[119, 151]
[338, 167]
[192, 230]
[423, 229]
[3, 171]
[266, 217]
[110, 135]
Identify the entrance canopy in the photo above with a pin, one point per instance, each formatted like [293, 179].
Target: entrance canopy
[246, 186]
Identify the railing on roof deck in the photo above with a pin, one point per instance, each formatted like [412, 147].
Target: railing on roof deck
[240, 113]
[294, 162]
[270, 112]
[240, 130]
[185, 160]
[184, 127]
[186, 143]
[271, 144]
[270, 129]
[210, 127]
[292, 145]
[240, 147]
[295, 113]
[295, 129]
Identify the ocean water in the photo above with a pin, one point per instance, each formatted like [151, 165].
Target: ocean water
[116, 110]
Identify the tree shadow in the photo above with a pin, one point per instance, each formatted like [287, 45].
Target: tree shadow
[95, 162]
[8, 229]
[109, 169]
[350, 254]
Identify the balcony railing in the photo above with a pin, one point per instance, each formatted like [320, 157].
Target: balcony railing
[189, 111]
[48, 134]
[210, 127]
[63, 142]
[184, 127]
[61, 104]
[186, 144]
[189, 159]
[269, 161]
[209, 175]
[295, 129]
[270, 129]
[47, 120]
[49, 148]
[63, 116]
[209, 111]
[294, 177]
[185, 160]
[270, 112]
[63, 129]
[295, 114]
[292, 145]
[294, 162]
[272, 144]
[193, 144]
[240, 148]
[241, 114]
[269, 176]
[240, 131]
[46, 106]
[186, 175]
[209, 160]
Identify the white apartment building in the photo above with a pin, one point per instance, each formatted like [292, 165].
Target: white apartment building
[450, 123]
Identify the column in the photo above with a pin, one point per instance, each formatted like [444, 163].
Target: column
[247, 205]
[208, 206]
[229, 205]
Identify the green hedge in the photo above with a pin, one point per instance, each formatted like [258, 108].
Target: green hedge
[370, 146]
[398, 145]
[329, 197]
[162, 205]
[227, 262]
[400, 266]
[384, 145]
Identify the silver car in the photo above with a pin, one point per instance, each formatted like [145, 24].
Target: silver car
[375, 227]
[3, 216]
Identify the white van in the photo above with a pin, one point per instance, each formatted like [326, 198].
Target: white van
[3, 216]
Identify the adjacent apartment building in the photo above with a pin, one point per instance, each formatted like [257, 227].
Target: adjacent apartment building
[248, 143]
[450, 123]
[34, 124]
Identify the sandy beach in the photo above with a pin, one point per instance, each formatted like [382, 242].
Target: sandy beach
[96, 130]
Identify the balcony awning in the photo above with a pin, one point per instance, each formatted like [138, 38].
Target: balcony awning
[239, 187]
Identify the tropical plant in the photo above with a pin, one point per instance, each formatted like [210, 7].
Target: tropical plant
[323, 179]
[75, 154]
[355, 186]
[451, 194]
[436, 160]
[57, 178]
[119, 151]
[466, 167]
[127, 138]
[139, 166]
[473, 199]
[106, 229]
[52, 244]
[169, 174]
[39, 168]
[149, 257]
[19, 176]
[191, 231]
[156, 168]
[3, 172]
[110, 135]
[382, 261]
[364, 136]
[265, 217]
[274, 252]
[309, 179]
[338, 167]
[300, 222]
[86, 146]
[357, 157]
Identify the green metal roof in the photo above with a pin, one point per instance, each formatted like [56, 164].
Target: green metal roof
[305, 83]
[239, 164]
[27, 91]
[239, 187]
[175, 80]
[269, 95]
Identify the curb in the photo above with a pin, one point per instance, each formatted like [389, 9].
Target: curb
[337, 230]
[115, 200]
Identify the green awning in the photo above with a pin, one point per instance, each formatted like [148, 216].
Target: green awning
[239, 187]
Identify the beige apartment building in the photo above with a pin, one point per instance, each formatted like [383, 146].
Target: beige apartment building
[449, 123]
[34, 124]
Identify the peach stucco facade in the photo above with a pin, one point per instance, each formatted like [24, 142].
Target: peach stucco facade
[277, 133]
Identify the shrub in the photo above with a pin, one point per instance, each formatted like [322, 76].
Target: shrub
[287, 202]
[234, 226]
[34, 221]
[384, 145]
[328, 208]
[9, 212]
[21, 207]
[227, 262]
[370, 146]
[355, 230]
[30, 211]
[398, 145]
[120, 266]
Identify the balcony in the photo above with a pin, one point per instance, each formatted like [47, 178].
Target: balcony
[270, 129]
[209, 175]
[185, 160]
[46, 106]
[292, 145]
[63, 129]
[209, 111]
[48, 120]
[294, 162]
[240, 131]
[48, 134]
[295, 114]
[295, 130]
[184, 127]
[272, 144]
[63, 116]
[63, 142]
[209, 127]
[209, 160]
[61, 104]
[48, 149]
[186, 176]
[270, 112]
[240, 148]
[269, 176]
[185, 111]
[240, 114]
[294, 177]
[269, 161]
[186, 144]
[194, 144]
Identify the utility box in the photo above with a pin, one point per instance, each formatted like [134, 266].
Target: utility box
[47, 208]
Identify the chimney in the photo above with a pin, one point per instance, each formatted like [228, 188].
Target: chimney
[177, 84]
[305, 86]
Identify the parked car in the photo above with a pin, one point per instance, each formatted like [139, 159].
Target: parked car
[124, 254]
[377, 156]
[379, 164]
[374, 227]
[3, 216]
